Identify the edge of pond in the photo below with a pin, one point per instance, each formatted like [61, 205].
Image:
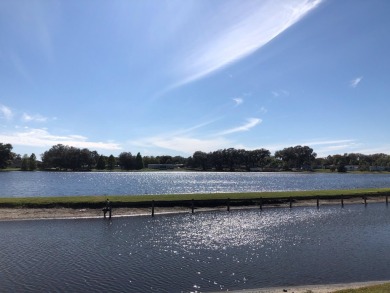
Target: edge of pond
[189, 200]
[152, 208]
[325, 288]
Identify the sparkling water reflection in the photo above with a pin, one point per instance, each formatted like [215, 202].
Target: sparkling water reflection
[201, 252]
[25, 184]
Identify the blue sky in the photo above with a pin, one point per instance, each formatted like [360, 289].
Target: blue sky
[173, 77]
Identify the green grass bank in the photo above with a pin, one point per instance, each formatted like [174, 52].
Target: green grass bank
[383, 288]
[201, 200]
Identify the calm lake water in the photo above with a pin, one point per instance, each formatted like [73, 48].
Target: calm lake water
[26, 184]
[214, 251]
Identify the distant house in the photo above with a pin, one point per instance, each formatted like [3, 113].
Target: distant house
[377, 168]
[352, 167]
[161, 166]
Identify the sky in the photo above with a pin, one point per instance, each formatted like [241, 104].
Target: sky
[171, 77]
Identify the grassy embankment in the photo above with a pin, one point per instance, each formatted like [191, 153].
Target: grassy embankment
[204, 199]
[383, 288]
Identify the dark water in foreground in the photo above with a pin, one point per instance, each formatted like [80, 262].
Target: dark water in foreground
[26, 184]
[202, 252]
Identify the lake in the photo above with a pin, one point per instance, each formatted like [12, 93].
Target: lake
[30, 184]
[209, 251]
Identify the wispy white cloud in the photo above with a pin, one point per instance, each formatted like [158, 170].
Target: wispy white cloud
[238, 30]
[251, 122]
[280, 93]
[183, 144]
[355, 82]
[369, 150]
[187, 141]
[6, 113]
[324, 148]
[263, 110]
[238, 101]
[329, 142]
[32, 23]
[42, 138]
[33, 118]
[189, 130]
[19, 66]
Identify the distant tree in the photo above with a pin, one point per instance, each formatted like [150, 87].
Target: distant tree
[229, 157]
[73, 159]
[217, 160]
[150, 160]
[179, 160]
[164, 159]
[6, 155]
[274, 163]
[68, 157]
[25, 163]
[16, 161]
[199, 160]
[364, 166]
[341, 168]
[111, 162]
[296, 157]
[126, 161]
[382, 160]
[101, 163]
[363, 161]
[189, 162]
[55, 157]
[139, 163]
[319, 163]
[32, 162]
[87, 159]
[259, 157]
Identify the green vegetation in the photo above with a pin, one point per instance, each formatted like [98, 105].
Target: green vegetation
[63, 157]
[8, 169]
[298, 158]
[383, 288]
[203, 199]
[6, 155]
[101, 163]
[29, 163]
[139, 162]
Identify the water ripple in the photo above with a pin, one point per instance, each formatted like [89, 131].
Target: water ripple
[25, 184]
[202, 252]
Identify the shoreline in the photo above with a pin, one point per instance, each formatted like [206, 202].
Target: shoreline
[62, 213]
[328, 288]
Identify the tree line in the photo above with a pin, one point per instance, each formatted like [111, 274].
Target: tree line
[63, 157]
[298, 157]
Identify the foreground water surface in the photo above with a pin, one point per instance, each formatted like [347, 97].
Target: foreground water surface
[214, 251]
[30, 184]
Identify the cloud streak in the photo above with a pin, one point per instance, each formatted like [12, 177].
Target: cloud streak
[33, 118]
[186, 144]
[251, 122]
[263, 110]
[355, 82]
[238, 101]
[6, 113]
[278, 93]
[42, 138]
[238, 31]
[324, 148]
